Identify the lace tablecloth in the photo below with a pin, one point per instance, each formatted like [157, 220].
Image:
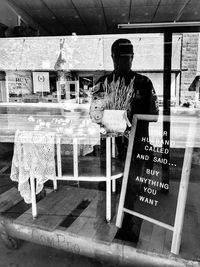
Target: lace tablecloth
[34, 155]
[34, 145]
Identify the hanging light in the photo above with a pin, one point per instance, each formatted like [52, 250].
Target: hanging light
[61, 61]
[60, 65]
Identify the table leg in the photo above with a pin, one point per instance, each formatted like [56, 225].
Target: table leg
[108, 179]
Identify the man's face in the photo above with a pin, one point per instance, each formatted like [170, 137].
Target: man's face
[122, 64]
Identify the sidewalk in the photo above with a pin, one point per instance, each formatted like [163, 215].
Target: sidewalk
[32, 255]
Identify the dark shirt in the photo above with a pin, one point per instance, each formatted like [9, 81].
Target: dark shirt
[144, 101]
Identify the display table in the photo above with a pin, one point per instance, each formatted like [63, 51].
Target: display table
[73, 128]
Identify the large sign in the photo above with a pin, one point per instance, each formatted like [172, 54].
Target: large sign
[157, 172]
[19, 82]
[41, 82]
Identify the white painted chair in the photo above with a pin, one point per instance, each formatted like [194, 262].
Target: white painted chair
[109, 177]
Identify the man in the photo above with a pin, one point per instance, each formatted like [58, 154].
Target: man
[143, 101]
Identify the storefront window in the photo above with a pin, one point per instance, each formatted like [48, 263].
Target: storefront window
[133, 133]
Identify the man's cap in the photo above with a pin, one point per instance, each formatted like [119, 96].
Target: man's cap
[122, 47]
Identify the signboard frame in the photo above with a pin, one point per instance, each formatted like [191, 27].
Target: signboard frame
[183, 187]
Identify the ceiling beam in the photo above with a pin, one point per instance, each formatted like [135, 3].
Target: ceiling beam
[54, 15]
[129, 13]
[26, 17]
[79, 15]
[158, 5]
[181, 10]
[104, 15]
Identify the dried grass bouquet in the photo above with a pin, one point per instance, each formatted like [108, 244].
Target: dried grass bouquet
[115, 96]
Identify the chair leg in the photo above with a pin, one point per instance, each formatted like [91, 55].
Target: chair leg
[108, 179]
[113, 155]
[59, 163]
[33, 197]
[55, 185]
[113, 185]
[75, 159]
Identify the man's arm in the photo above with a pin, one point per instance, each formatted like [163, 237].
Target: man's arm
[153, 106]
[145, 100]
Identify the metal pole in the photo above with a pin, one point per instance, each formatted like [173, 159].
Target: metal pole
[167, 98]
